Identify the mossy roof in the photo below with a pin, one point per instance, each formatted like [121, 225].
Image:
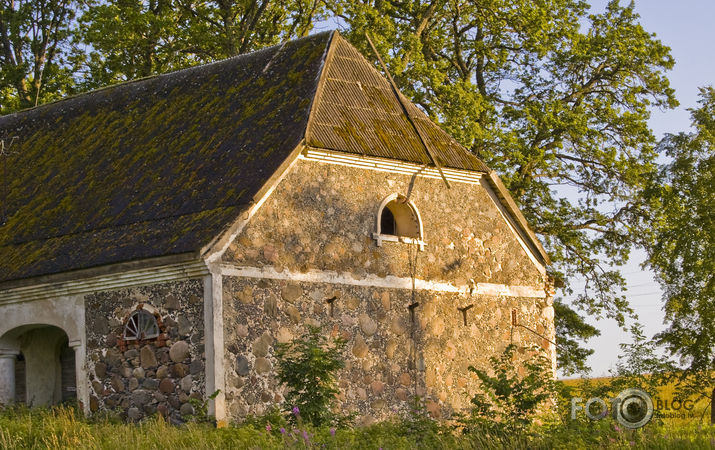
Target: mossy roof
[163, 165]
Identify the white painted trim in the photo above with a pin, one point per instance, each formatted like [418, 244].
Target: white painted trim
[380, 238]
[80, 368]
[514, 230]
[388, 165]
[240, 224]
[390, 281]
[214, 345]
[131, 278]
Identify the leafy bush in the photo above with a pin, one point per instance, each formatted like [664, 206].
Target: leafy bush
[510, 402]
[308, 366]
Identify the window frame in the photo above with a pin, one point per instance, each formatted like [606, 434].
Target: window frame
[136, 314]
[381, 237]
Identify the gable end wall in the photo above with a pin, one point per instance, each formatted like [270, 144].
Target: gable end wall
[311, 241]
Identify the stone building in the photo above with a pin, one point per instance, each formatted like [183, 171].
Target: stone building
[158, 238]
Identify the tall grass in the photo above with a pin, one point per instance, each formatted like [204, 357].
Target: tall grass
[64, 428]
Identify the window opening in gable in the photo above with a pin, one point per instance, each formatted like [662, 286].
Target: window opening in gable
[398, 221]
[387, 222]
[141, 325]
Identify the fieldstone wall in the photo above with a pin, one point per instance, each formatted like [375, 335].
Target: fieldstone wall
[322, 216]
[392, 353]
[156, 375]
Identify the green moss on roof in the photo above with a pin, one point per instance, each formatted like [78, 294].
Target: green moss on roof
[154, 167]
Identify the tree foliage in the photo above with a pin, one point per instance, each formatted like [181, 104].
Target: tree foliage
[555, 99]
[682, 243]
[510, 401]
[571, 328]
[35, 51]
[133, 38]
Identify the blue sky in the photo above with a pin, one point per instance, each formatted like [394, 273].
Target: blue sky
[688, 28]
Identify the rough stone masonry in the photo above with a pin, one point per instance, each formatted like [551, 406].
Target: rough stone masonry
[402, 342]
[160, 375]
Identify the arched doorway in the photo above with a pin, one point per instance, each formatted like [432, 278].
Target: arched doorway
[37, 366]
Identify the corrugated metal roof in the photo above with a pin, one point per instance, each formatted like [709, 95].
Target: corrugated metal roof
[357, 112]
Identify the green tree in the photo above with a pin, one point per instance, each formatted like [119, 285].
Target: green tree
[682, 245]
[571, 328]
[553, 98]
[132, 39]
[510, 401]
[308, 366]
[223, 28]
[36, 55]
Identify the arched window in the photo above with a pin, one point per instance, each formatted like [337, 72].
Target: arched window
[399, 221]
[141, 325]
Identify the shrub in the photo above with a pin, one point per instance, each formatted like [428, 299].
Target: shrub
[510, 402]
[308, 366]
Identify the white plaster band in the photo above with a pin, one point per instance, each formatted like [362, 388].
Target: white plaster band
[389, 165]
[151, 275]
[390, 281]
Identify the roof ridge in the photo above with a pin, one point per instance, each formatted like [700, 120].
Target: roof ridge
[451, 153]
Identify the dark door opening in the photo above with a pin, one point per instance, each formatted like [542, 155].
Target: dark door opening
[68, 377]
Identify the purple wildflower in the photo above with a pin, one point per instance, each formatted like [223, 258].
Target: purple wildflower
[617, 428]
[268, 427]
[305, 435]
[332, 432]
[283, 430]
[296, 411]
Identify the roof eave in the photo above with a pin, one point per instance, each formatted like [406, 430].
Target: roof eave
[98, 271]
